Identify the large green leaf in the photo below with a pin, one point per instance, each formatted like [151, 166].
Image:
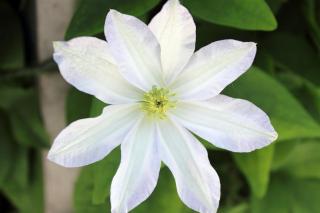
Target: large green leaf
[256, 167]
[11, 38]
[303, 161]
[282, 152]
[78, 105]
[90, 16]
[289, 118]
[244, 14]
[288, 195]
[304, 90]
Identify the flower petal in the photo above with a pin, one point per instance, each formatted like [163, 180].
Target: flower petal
[212, 68]
[139, 169]
[233, 124]
[197, 182]
[89, 140]
[86, 63]
[135, 49]
[176, 32]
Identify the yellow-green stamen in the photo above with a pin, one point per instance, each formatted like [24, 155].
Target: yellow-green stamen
[157, 101]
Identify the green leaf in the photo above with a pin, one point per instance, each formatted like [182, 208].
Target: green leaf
[90, 16]
[78, 105]
[304, 90]
[103, 172]
[289, 118]
[303, 161]
[256, 167]
[282, 152]
[244, 14]
[11, 38]
[287, 195]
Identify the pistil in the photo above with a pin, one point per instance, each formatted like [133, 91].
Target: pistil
[157, 102]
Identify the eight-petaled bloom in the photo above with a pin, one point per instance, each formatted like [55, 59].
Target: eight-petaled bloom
[160, 91]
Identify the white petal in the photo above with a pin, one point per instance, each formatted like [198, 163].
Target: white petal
[135, 49]
[213, 67]
[86, 63]
[197, 182]
[138, 172]
[176, 32]
[89, 140]
[233, 124]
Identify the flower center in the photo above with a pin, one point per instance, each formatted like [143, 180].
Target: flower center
[157, 101]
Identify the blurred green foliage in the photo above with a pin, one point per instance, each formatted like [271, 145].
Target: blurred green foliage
[22, 134]
[284, 82]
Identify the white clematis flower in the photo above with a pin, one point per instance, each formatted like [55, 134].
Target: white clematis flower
[159, 91]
